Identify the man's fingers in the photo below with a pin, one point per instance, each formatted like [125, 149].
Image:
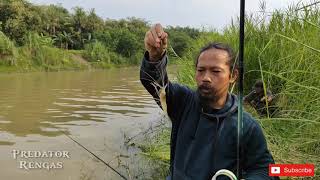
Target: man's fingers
[164, 35]
[158, 29]
[149, 39]
[164, 40]
[155, 37]
[149, 46]
[157, 32]
[156, 40]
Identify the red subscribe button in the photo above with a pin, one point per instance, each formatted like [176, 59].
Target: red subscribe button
[291, 170]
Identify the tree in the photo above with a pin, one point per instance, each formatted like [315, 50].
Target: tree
[180, 42]
[54, 18]
[65, 40]
[93, 22]
[18, 17]
[127, 43]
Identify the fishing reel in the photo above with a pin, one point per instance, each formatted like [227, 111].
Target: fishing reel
[224, 172]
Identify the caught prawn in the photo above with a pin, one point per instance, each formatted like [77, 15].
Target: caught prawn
[160, 89]
[163, 98]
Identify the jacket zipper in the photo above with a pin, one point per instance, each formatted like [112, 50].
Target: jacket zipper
[215, 144]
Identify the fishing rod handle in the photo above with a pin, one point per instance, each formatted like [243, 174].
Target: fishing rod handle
[224, 172]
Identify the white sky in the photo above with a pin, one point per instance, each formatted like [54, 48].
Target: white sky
[193, 13]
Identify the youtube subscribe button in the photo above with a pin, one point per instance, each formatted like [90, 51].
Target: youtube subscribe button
[291, 170]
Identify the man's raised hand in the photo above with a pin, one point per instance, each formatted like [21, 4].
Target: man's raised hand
[155, 42]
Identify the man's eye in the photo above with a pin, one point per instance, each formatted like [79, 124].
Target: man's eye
[200, 70]
[216, 71]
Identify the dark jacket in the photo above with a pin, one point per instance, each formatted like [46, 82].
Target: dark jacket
[204, 140]
[255, 100]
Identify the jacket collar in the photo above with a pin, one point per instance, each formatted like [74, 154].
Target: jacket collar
[229, 107]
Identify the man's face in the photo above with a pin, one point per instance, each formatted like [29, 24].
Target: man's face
[258, 90]
[213, 74]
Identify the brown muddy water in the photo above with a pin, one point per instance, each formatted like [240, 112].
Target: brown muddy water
[99, 109]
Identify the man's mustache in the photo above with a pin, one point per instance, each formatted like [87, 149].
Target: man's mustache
[205, 87]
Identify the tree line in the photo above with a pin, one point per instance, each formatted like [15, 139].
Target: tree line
[79, 29]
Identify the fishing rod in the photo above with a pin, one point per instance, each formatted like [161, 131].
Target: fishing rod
[105, 163]
[240, 90]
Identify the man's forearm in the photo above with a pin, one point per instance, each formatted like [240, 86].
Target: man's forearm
[153, 75]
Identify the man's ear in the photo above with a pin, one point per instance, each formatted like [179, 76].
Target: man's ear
[234, 75]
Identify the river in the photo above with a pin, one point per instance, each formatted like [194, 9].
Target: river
[99, 109]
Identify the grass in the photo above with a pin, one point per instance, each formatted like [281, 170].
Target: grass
[155, 146]
[283, 49]
[158, 146]
[38, 54]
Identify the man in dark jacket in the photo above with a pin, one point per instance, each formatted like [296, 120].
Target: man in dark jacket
[204, 122]
[258, 100]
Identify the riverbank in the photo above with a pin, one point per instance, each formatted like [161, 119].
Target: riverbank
[40, 55]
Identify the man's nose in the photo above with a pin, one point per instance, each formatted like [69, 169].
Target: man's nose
[206, 77]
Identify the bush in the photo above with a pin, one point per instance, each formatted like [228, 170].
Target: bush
[6, 45]
[180, 42]
[7, 50]
[127, 44]
[96, 52]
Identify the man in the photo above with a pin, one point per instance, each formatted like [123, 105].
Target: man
[204, 122]
[257, 99]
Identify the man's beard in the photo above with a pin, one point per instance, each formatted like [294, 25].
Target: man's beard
[207, 94]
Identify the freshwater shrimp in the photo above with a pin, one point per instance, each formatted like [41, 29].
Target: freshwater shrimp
[160, 89]
[163, 98]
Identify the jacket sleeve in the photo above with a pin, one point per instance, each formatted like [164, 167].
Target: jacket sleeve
[257, 156]
[153, 75]
[248, 98]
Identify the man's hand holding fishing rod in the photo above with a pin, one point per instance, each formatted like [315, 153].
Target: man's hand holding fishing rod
[204, 121]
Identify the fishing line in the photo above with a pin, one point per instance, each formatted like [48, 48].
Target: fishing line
[114, 170]
[309, 5]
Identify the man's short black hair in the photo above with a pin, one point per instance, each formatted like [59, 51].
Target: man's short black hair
[220, 46]
[258, 84]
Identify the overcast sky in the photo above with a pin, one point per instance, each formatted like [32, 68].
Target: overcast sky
[193, 13]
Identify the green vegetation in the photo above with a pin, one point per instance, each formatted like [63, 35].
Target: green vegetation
[157, 148]
[50, 38]
[283, 49]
